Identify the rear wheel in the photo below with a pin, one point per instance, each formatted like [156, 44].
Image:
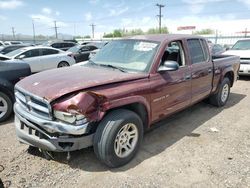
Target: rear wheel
[6, 106]
[118, 137]
[221, 97]
[63, 64]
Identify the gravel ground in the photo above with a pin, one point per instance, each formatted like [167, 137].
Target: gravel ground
[202, 146]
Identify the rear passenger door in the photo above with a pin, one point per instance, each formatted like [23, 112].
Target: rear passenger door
[201, 69]
[49, 58]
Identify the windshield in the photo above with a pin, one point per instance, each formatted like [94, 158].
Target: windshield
[131, 55]
[242, 45]
[15, 52]
[74, 49]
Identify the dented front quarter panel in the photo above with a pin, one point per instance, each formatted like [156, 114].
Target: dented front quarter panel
[94, 103]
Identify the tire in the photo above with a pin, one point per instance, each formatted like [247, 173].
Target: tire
[220, 98]
[63, 64]
[6, 106]
[112, 138]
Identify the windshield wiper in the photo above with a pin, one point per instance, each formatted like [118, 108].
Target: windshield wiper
[107, 65]
[114, 67]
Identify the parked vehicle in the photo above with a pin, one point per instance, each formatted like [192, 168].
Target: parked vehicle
[242, 48]
[217, 49]
[81, 53]
[41, 58]
[10, 48]
[4, 57]
[60, 45]
[12, 42]
[124, 90]
[9, 75]
[1, 45]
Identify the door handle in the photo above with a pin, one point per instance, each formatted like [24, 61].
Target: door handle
[209, 70]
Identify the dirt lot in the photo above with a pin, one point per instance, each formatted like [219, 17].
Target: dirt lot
[202, 146]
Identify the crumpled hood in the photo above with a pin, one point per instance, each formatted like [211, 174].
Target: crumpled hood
[55, 83]
[241, 53]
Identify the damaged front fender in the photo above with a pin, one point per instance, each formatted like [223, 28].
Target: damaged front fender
[85, 103]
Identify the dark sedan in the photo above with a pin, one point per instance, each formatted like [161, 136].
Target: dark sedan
[10, 74]
[81, 52]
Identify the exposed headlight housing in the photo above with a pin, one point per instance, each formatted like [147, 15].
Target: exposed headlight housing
[72, 118]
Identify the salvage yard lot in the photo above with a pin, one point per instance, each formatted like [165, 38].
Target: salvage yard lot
[203, 146]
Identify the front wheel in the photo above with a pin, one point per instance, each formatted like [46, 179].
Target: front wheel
[118, 137]
[220, 98]
[6, 106]
[63, 64]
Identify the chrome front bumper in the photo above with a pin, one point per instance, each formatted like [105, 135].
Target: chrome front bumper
[41, 133]
[244, 69]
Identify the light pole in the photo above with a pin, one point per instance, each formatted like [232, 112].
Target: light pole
[34, 31]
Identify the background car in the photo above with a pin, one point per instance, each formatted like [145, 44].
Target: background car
[12, 42]
[242, 48]
[41, 58]
[60, 45]
[10, 48]
[4, 57]
[10, 74]
[1, 45]
[81, 53]
[217, 49]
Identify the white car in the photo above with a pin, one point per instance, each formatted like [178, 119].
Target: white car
[41, 58]
[6, 43]
[2, 45]
[242, 48]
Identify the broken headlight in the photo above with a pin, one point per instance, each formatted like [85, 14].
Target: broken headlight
[72, 118]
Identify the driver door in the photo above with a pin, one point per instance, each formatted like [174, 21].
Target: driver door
[32, 57]
[171, 89]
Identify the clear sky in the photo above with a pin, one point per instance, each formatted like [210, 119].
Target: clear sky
[74, 17]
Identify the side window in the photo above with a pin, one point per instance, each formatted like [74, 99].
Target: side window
[84, 49]
[92, 48]
[205, 49]
[71, 44]
[56, 45]
[174, 52]
[196, 51]
[49, 51]
[31, 53]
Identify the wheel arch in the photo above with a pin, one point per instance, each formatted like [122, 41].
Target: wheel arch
[140, 107]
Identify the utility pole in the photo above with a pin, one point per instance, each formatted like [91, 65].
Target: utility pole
[13, 32]
[34, 33]
[160, 15]
[93, 30]
[55, 29]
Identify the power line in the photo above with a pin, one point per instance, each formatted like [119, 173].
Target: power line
[160, 15]
[93, 30]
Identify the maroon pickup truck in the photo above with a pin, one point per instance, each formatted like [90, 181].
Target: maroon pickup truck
[124, 90]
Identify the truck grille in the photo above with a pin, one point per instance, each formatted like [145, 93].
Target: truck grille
[35, 105]
[244, 60]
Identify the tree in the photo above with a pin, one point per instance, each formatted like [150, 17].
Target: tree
[86, 37]
[204, 32]
[156, 30]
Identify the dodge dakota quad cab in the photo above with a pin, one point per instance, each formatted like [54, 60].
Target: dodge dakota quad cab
[10, 74]
[125, 89]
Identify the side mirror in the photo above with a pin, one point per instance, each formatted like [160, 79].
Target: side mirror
[21, 57]
[227, 48]
[169, 66]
